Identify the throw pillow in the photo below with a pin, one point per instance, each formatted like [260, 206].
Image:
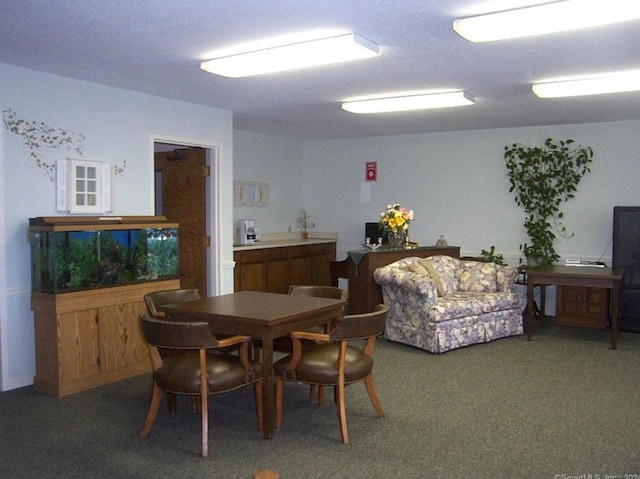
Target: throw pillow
[478, 277]
[418, 268]
[440, 286]
[447, 270]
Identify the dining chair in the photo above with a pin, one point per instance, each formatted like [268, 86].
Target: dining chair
[283, 344]
[195, 370]
[154, 301]
[342, 357]
[158, 298]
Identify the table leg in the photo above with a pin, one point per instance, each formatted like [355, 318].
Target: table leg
[268, 399]
[615, 315]
[530, 317]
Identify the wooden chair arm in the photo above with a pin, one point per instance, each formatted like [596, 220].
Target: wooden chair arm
[233, 340]
[311, 336]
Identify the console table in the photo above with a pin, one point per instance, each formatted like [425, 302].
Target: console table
[358, 268]
[581, 276]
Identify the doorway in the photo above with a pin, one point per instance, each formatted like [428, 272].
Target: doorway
[181, 175]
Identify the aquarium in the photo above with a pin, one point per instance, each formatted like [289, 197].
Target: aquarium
[66, 258]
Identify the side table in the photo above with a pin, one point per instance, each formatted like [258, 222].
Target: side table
[609, 278]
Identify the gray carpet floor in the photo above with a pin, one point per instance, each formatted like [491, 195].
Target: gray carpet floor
[561, 406]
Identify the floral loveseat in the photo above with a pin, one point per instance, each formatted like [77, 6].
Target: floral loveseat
[441, 303]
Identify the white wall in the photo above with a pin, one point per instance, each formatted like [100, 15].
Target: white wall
[277, 161]
[117, 125]
[456, 183]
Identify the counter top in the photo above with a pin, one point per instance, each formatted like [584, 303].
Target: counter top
[283, 243]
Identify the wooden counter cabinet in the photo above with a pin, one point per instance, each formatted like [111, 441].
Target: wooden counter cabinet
[274, 269]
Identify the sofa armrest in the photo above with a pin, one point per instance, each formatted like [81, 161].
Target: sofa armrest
[505, 278]
[399, 279]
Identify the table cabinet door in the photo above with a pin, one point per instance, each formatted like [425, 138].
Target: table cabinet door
[582, 306]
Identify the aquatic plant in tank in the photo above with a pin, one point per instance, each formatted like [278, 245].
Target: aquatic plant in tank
[64, 261]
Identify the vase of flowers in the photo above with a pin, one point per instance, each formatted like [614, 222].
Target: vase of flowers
[394, 222]
[305, 223]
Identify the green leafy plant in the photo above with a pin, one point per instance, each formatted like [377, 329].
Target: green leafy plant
[491, 256]
[542, 179]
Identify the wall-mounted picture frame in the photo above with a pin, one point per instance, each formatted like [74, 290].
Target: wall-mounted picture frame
[250, 193]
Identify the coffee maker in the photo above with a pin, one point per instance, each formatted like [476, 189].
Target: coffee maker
[249, 234]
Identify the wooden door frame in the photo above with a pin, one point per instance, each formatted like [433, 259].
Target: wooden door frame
[213, 217]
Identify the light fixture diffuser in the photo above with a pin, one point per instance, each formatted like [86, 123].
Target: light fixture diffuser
[409, 102]
[323, 51]
[548, 18]
[617, 82]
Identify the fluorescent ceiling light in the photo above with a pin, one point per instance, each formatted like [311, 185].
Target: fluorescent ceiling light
[547, 18]
[408, 102]
[591, 85]
[324, 51]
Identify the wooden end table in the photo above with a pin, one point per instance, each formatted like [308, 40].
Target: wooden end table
[587, 276]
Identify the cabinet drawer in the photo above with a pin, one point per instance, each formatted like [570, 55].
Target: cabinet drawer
[277, 253]
[326, 248]
[300, 251]
[249, 256]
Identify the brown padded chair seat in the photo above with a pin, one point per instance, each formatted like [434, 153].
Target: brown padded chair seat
[182, 375]
[317, 365]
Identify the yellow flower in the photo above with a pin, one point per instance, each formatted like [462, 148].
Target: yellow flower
[396, 218]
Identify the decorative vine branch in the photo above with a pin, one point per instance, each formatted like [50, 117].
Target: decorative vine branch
[38, 135]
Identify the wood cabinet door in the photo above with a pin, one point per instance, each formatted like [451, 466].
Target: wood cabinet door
[582, 306]
[79, 347]
[301, 265]
[121, 344]
[278, 270]
[322, 256]
[250, 271]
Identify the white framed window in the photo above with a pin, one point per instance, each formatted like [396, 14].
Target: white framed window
[83, 186]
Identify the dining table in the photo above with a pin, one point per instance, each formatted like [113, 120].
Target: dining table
[263, 316]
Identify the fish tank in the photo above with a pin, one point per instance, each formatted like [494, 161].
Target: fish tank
[71, 254]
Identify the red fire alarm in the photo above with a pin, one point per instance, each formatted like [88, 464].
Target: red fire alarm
[371, 171]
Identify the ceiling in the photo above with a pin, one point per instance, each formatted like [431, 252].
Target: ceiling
[155, 46]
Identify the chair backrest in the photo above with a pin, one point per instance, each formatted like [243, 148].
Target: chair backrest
[331, 292]
[361, 326]
[161, 333]
[158, 298]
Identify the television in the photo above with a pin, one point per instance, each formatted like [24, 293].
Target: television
[626, 255]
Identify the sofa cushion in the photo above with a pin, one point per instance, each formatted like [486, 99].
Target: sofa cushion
[460, 305]
[444, 272]
[477, 277]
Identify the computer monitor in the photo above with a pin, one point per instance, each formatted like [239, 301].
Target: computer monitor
[372, 231]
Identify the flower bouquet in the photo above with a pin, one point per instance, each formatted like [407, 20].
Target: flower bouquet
[394, 222]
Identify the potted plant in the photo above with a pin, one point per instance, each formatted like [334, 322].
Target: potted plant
[542, 178]
[305, 223]
[491, 256]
